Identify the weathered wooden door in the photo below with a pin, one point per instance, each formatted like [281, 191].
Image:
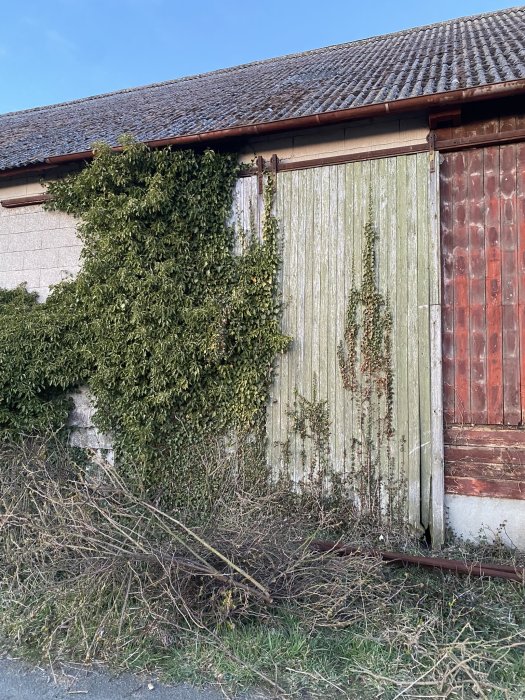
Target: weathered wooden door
[483, 297]
[322, 214]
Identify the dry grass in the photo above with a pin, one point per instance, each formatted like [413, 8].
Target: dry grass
[232, 591]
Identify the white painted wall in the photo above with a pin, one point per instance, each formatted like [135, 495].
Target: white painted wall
[475, 518]
[350, 138]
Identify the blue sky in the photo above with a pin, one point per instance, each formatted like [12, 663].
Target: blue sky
[57, 50]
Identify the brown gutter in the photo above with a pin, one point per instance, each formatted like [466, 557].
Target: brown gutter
[69, 157]
[443, 99]
[22, 170]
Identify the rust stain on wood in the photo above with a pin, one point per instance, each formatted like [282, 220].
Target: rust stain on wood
[483, 282]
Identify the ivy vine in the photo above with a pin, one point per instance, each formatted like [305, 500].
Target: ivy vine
[366, 351]
[365, 362]
[173, 332]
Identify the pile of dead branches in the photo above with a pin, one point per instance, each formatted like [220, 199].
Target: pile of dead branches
[91, 570]
[70, 532]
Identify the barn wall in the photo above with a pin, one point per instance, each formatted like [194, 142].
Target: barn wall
[483, 271]
[40, 248]
[322, 213]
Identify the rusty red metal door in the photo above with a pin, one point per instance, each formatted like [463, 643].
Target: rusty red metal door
[483, 307]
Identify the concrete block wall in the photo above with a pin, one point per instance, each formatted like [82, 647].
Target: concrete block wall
[37, 247]
[482, 519]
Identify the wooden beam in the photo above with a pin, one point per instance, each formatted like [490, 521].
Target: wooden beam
[490, 139]
[486, 455]
[488, 488]
[480, 470]
[342, 158]
[25, 201]
[485, 436]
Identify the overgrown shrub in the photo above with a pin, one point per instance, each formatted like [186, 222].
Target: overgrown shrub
[174, 333]
[42, 354]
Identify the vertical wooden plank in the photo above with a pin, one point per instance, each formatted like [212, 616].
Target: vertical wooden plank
[391, 259]
[331, 293]
[462, 413]
[276, 407]
[359, 215]
[271, 452]
[402, 338]
[509, 290]
[520, 223]
[380, 204]
[323, 261]
[423, 332]
[447, 265]
[311, 312]
[302, 251]
[493, 286]
[360, 192]
[437, 501]
[414, 438]
[316, 278]
[342, 273]
[294, 193]
[437, 479]
[477, 320]
[380, 183]
[349, 281]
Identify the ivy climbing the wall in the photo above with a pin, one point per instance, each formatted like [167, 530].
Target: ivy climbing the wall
[367, 347]
[174, 334]
[42, 354]
[365, 362]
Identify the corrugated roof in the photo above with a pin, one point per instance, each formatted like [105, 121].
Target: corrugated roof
[457, 54]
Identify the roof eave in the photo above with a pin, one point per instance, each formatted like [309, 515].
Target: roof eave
[424, 102]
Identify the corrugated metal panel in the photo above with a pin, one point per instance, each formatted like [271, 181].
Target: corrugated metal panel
[322, 214]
